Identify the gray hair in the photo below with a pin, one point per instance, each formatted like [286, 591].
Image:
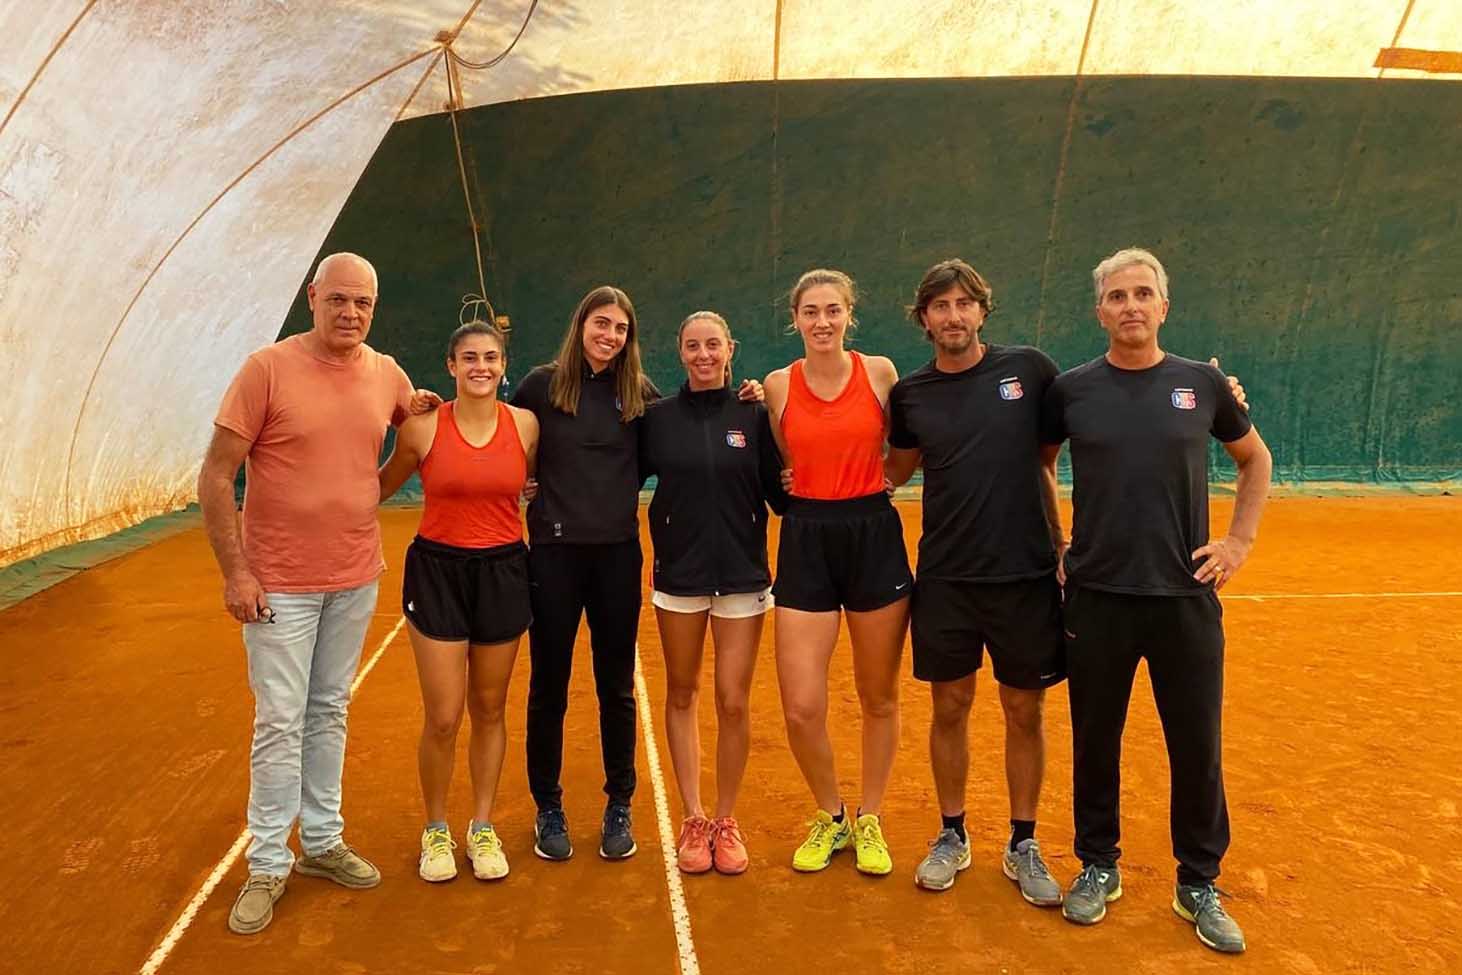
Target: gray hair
[1125, 258]
[340, 257]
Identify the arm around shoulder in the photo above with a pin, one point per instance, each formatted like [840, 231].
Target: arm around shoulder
[413, 440]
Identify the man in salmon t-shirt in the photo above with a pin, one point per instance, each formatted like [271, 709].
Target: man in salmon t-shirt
[307, 417]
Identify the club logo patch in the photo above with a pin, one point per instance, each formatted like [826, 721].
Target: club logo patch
[735, 438]
[1184, 399]
[1010, 388]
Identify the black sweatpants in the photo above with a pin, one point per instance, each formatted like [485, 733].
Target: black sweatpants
[602, 581]
[1182, 639]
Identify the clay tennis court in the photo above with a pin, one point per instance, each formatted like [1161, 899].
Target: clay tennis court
[125, 730]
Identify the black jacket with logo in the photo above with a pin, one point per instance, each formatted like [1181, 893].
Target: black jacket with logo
[718, 470]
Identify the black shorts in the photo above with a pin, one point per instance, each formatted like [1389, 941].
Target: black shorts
[1018, 622]
[476, 594]
[847, 554]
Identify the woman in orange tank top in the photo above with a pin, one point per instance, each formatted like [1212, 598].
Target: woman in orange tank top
[841, 548]
[465, 593]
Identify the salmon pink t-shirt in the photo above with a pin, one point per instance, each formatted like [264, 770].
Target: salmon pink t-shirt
[316, 427]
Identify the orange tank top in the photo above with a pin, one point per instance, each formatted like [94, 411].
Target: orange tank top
[472, 492]
[836, 445]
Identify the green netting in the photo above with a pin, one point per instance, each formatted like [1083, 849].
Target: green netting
[1310, 227]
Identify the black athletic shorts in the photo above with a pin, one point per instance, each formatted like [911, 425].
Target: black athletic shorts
[847, 554]
[952, 623]
[476, 594]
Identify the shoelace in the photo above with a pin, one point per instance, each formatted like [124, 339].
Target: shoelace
[484, 841]
[945, 848]
[726, 826]
[870, 833]
[821, 830]
[439, 841]
[259, 882]
[1206, 899]
[616, 821]
[554, 823]
[1034, 863]
[339, 852]
[695, 830]
[1089, 882]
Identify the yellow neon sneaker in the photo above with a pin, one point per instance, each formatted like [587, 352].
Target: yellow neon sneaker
[870, 847]
[437, 863]
[485, 851]
[826, 838]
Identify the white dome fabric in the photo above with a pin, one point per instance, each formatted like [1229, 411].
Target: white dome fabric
[168, 171]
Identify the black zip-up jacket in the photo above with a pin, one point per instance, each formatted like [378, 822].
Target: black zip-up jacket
[719, 469]
[588, 484]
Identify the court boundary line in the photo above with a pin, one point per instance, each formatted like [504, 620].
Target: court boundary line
[220, 870]
[679, 911]
[1266, 596]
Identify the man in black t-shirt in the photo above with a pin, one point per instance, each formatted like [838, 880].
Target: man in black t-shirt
[1140, 580]
[987, 558]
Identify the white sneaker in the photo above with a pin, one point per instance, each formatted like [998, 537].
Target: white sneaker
[438, 862]
[485, 851]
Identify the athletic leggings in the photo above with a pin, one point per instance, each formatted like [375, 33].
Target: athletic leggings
[602, 582]
[1182, 639]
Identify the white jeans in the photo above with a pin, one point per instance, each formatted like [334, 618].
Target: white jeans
[300, 670]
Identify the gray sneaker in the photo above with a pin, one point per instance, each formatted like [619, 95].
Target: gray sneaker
[948, 855]
[1091, 891]
[1025, 866]
[254, 907]
[1216, 929]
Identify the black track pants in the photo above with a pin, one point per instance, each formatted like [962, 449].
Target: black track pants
[602, 582]
[1182, 639]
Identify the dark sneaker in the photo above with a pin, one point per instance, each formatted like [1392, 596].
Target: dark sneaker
[1025, 866]
[616, 841]
[551, 835]
[1091, 891]
[1216, 929]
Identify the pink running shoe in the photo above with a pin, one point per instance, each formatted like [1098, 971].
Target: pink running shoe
[730, 848]
[693, 849]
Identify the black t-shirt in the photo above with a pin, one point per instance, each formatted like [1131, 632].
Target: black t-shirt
[1139, 466]
[588, 464]
[979, 431]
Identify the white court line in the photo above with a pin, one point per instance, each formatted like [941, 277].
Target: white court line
[679, 913]
[1261, 597]
[185, 919]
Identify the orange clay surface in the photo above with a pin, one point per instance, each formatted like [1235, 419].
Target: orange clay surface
[124, 737]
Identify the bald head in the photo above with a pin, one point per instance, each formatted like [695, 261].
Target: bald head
[344, 264]
[343, 300]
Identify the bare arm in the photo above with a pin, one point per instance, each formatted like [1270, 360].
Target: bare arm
[242, 593]
[1051, 507]
[882, 375]
[527, 436]
[406, 454]
[775, 387]
[1227, 555]
[900, 463]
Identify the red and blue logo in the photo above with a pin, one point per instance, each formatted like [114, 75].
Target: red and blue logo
[1010, 388]
[1184, 399]
[735, 438]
